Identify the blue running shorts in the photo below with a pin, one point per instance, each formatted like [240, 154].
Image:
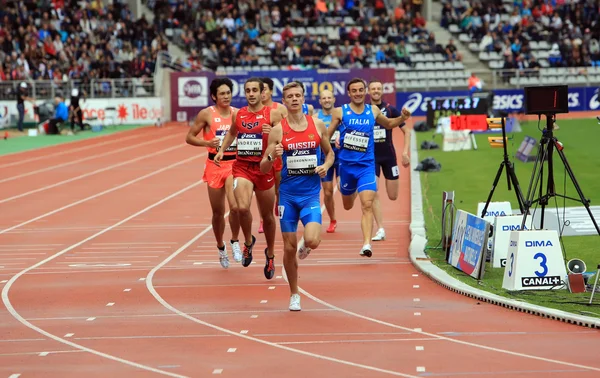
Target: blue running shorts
[294, 208]
[356, 177]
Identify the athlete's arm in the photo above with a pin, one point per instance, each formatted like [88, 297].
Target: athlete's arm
[311, 110]
[200, 124]
[266, 164]
[277, 115]
[321, 170]
[390, 123]
[283, 110]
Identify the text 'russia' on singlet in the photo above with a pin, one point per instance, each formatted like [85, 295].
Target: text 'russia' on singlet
[301, 155]
[251, 143]
[219, 127]
[356, 135]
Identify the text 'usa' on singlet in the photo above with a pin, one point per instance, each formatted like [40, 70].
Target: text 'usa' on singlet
[356, 135]
[219, 127]
[301, 155]
[251, 143]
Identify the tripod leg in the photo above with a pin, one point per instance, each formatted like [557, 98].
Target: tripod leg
[487, 203]
[539, 168]
[585, 202]
[515, 181]
[595, 283]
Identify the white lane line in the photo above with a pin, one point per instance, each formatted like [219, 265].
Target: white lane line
[152, 290]
[37, 158]
[18, 317]
[94, 196]
[93, 156]
[160, 152]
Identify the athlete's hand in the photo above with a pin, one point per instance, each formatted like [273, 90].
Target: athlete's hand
[337, 143]
[213, 143]
[279, 149]
[218, 158]
[321, 171]
[406, 113]
[266, 128]
[405, 160]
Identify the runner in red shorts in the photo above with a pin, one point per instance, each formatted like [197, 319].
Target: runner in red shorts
[267, 100]
[214, 122]
[252, 126]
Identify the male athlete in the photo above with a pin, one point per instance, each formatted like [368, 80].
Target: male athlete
[252, 126]
[327, 102]
[300, 140]
[267, 100]
[385, 154]
[357, 156]
[214, 122]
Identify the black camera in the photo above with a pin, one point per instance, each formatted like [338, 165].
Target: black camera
[547, 99]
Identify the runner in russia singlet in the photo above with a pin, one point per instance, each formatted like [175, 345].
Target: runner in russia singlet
[219, 127]
[302, 154]
[251, 143]
[356, 135]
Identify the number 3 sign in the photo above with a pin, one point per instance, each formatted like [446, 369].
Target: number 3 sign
[534, 261]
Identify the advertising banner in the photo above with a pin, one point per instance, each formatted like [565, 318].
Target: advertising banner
[509, 100]
[127, 111]
[190, 91]
[469, 244]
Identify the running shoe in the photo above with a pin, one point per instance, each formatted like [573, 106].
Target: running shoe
[366, 250]
[380, 235]
[295, 302]
[223, 258]
[303, 251]
[332, 226]
[247, 254]
[269, 266]
[236, 250]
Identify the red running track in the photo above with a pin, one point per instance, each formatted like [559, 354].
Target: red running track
[115, 274]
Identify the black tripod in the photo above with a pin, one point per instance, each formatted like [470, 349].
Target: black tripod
[548, 144]
[510, 176]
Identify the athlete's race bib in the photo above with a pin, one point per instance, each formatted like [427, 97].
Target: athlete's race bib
[356, 141]
[301, 162]
[221, 135]
[249, 145]
[335, 136]
[379, 134]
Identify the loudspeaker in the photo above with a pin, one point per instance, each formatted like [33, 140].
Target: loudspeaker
[576, 266]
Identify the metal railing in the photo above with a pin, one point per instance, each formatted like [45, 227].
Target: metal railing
[95, 88]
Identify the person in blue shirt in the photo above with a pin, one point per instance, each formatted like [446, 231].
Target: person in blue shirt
[357, 152]
[61, 114]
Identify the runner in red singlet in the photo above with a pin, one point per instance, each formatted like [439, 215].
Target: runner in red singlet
[253, 124]
[214, 122]
[267, 100]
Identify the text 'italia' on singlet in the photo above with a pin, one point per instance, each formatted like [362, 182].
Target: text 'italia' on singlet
[302, 154]
[251, 143]
[356, 135]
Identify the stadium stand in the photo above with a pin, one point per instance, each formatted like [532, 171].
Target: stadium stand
[94, 44]
[539, 42]
[229, 36]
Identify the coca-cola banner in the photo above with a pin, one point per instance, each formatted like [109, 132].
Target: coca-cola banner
[190, 91]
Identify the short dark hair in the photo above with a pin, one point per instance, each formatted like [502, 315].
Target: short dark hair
[268, 81]
[354, 81]
[216, 83]
[261, 85]
[375, 81]
[301, 85]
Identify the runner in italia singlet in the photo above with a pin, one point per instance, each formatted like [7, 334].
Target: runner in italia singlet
[356, 136]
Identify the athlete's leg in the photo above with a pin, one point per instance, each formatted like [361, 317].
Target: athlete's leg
[376, 205]
[217, 204]
[347, 185]
[242, 189]
[391, 174]
[367, 188]
[265, 200]
[234, 220]
[289, 216]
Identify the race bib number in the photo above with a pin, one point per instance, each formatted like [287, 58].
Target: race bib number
[249, 145]
[356, 141]
[301, 162]
[335, 136]
[221, 135]
[379, 135]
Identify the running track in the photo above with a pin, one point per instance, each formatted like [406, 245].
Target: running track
[108, 268]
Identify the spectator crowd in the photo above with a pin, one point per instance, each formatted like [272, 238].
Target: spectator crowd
[570, 28]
